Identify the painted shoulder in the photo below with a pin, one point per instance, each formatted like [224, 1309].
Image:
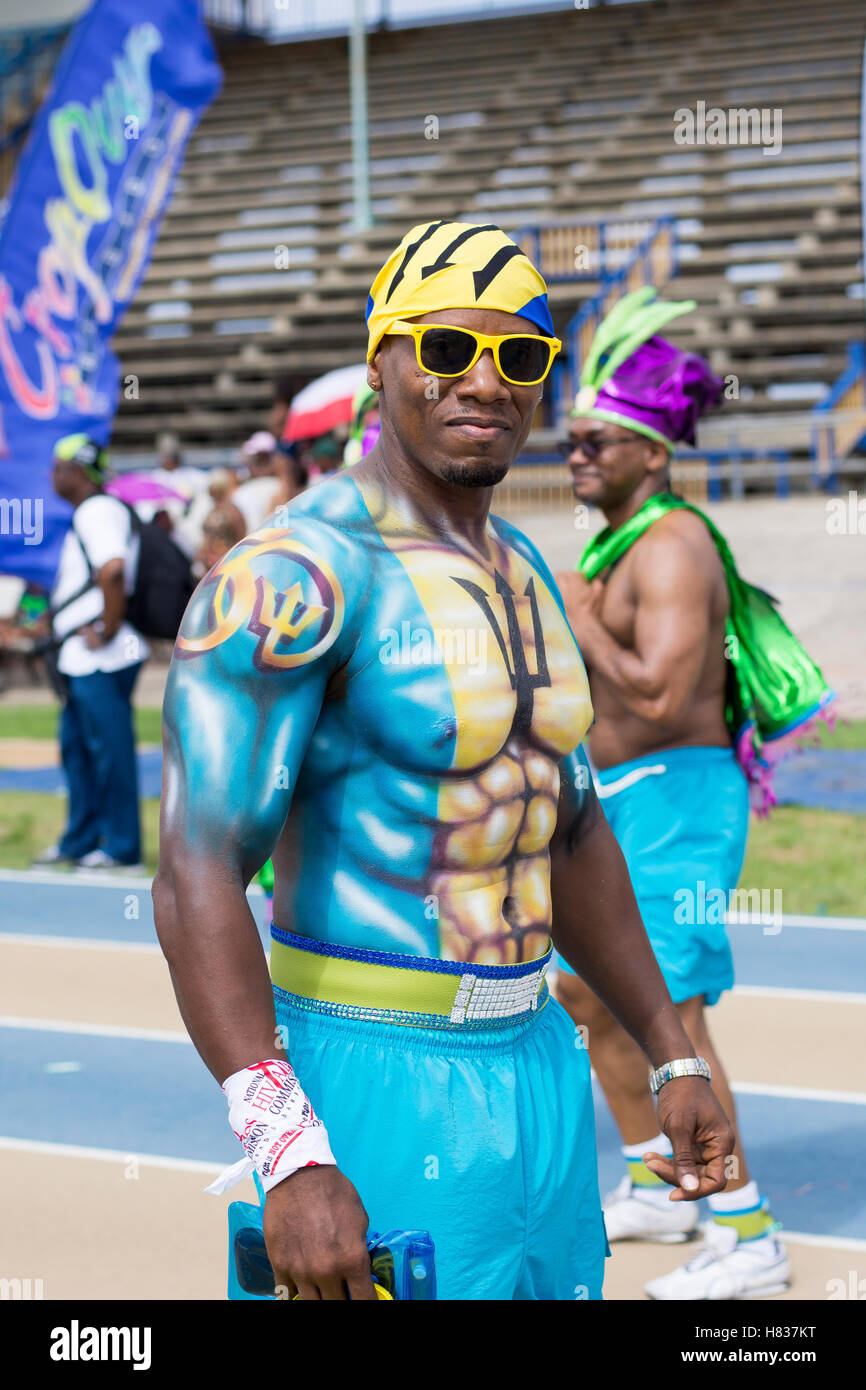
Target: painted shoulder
[336, 502]
[293, 589]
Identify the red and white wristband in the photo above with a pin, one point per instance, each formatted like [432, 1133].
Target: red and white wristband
[276, 1124]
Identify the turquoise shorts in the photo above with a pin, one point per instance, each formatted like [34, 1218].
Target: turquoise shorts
[681, 818]
[485, 1138]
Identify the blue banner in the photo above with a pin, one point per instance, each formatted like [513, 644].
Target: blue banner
[82, 214]
[863, 166]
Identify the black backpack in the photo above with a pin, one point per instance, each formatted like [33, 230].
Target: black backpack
[163, 580]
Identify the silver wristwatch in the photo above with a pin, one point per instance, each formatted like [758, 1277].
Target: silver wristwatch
[681, 1066]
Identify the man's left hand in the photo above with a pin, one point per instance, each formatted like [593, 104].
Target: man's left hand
[94, 639]
[700, 1136]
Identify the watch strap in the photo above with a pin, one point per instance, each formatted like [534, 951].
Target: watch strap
[680, 1066]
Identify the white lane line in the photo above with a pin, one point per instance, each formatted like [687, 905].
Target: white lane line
[761, 1088]
[757, 919]
[38, 1146]
[193, 1165]
[87, 943]
[807, 996]
[95, 1030]
[803, 996]
[111, 1030]
[766, 1088]
[833, 1242]
[77, 878]
[90, 878]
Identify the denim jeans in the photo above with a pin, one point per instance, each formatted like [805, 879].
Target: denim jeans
[97, 746]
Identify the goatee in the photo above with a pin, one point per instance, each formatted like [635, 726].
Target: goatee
[486, 474]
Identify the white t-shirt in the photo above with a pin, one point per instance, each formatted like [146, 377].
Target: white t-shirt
[255, 500]
[185, 480]
[188, 530]
[103, 526]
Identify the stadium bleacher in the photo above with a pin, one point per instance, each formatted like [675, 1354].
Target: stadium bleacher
[539, 117]
[523, 120]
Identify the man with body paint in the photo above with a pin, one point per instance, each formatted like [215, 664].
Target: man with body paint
[432, 823]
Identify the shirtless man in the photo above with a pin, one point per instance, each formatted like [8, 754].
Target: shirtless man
[379, 688]
[651, 628]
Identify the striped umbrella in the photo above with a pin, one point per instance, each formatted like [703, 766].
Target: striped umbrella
[324, 404]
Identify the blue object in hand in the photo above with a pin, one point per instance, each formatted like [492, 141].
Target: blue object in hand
[402, 1262]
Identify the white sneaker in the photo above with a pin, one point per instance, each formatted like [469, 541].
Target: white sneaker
[50, 857]
[98, 859]
[726, 1267]
[627, 1217]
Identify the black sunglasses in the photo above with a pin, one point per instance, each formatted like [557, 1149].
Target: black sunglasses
[590, 448]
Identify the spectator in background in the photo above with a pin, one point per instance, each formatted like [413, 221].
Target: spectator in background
[293, 479]
[99, 658]
[23, 622]
[254, 498]
[322, 456]
[189, 529]
[223, 527]
[365, 426]
[177, 475]
[285, 390]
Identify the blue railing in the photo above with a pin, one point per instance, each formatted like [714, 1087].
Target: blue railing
[833, 439]
[621, 254]
[652, 262]
[592, 248]
[616, 254]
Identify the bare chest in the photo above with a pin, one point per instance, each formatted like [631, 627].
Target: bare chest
[618, 610]
[462, 658]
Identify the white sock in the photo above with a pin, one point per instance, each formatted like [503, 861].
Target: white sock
[633, 1153]
[661, 1144]
[746, 1199]
[742, 1200]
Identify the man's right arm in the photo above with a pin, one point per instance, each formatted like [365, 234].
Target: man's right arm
[236, 725]
[257, 645]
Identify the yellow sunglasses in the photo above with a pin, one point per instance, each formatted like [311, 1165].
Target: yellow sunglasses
[522, 359]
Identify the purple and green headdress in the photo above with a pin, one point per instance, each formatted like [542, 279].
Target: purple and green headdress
[632, 377]
[776, 696]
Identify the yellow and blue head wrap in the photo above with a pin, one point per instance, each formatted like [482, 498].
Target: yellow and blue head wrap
[455, 265]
